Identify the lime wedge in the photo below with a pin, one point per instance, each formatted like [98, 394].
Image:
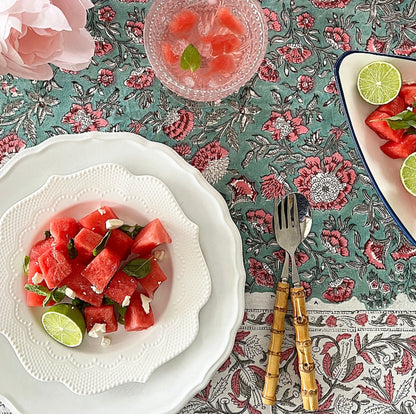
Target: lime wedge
[408, 173]
[379, 82]
[64, 323]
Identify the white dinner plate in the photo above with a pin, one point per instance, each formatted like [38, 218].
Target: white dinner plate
[383, 170]
[177, 381]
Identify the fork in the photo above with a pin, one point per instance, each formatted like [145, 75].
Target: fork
[288, 235]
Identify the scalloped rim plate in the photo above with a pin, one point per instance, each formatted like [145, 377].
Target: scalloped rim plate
[132, 356]
[383, 171]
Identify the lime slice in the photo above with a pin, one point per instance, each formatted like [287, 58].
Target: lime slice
[379, 82]
[64, 323]
[408, 173]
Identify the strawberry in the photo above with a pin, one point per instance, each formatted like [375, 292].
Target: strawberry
[381, 128]
[400, 149]
[408, 93]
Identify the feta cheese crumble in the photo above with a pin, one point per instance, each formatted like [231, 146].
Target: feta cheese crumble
[105, 341]
[37, 278]
[126, 301]
[145, 303]
[112, 224]
[70, 293]
[97, 329]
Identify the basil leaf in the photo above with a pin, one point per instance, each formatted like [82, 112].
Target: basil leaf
[138, 268]
[79, 303]
[101, 245]
[73, 253]
[58, 293]
[26, 264]
[132, 231]
[190, 59]
[121, 311]
[39, 290]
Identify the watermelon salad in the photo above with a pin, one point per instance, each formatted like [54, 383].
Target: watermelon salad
[217, 39]
[108, 269]
[395, 122]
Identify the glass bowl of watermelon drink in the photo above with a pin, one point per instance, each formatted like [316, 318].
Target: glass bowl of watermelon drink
[204, 50]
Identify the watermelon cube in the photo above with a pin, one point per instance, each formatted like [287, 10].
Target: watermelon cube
[40, 247]
[376, 122]
[101, 314]
[82, 286]
[95, 221]
[151, 236]
[119, 243]
[101, 269]
[394, 107]
[54, 265]
[63, 229]
[121, 285]
[153, 279]
[136, 318]
[408, 93]
[183, 21]
[231, 22]
[85, 242]
[400, 149]
[33, 299]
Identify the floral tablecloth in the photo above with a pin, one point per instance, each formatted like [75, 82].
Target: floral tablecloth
[284, 131]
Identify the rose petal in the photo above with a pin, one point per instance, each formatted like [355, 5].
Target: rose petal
[50, 17]
[19, 6]
[74, 12]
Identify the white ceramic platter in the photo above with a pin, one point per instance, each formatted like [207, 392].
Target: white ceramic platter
[383, 171]
[132, 356]
[177, 381]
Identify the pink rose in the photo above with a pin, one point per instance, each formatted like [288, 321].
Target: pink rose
[35, 33]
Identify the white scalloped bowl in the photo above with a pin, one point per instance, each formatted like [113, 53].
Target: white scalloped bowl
[132, 356]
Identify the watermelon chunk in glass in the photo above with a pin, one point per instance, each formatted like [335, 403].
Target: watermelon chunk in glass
[222, 64]
[169, 56]
[95, 221]
[120, 286]
[119, 243]
[101, 269]
[85, 242]
[136, 319]
[63, 229]
[231, 22]
[151, 282]
[221, 44]
[150, 237]
[54, 265]
[82, 286]
[101, 314]
[183, 21]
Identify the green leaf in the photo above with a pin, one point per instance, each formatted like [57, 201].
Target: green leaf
[121, 311]
[39, 290]
[132, 231]
[72, 251]
[138, 268]
[79, 303]
[403, 120]
[101, 245]
[190, 59]
[26, 264]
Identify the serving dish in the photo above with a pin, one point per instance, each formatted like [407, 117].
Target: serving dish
[89, 368]
[383, 171]
[178, 380]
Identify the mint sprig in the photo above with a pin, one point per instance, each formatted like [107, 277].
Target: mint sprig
[403, 120]
[190, 59]
[138, 268]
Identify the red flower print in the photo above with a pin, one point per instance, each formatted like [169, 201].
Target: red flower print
[10, 144]
[331, 87]
[407, 48]
[300, 256]
[361, 319]
[337, 132]
[106, 14]
[326, 184]
[182, 149]
[306, 288]
[133, 1]
[102, 47]
[337, 38]
[339, 290]
[272, 186]
[391, 319]
[261, 273]
[294, 53]
[269, 319]
[374, 285]
[134, 30]
[305, 83]
[385, 288]
[260, 220]
[331, 321]
[84, 118]
[272, 20]
[242, 190]
[284, 126]
[378, 44]
[178, 124]
[140, 79]
[375, 253]
[305, 21]
[135, 126]
[267, 71]
[405, 252]
[330, 4]
[334, 242]
[105, 77]
[212, 160]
